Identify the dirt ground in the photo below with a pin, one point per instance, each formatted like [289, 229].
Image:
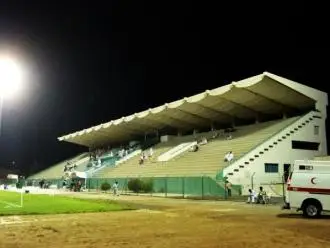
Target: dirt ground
[168, 223]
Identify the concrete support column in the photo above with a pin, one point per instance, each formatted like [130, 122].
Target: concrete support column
[195, 133]
[212, 127]
[257, 118]
[233, 122]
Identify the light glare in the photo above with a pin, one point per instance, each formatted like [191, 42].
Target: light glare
[10, 77]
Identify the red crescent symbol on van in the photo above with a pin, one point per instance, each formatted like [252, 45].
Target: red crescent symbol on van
[312, 180]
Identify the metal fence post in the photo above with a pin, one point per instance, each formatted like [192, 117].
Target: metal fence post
[125, 185]
[137, 193]
[87, 184]
[225, 187]
[226, 195]
[202, 187]
[283, 188]
[182, 187]
[252, 177]
[165, 186]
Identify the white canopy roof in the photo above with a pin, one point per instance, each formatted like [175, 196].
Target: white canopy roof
[262, 94]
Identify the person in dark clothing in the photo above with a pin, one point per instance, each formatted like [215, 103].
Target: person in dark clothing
[42, 183]
[228, 188]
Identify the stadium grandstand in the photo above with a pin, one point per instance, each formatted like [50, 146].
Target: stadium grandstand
[246, 133]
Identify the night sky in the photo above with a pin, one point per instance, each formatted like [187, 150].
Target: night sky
[93, 62]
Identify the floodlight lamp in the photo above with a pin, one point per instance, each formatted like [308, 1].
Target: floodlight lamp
[10, 77]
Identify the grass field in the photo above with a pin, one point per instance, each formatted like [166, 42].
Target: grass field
[52, 204]
[163, 223]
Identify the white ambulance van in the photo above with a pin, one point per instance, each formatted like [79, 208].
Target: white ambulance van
[308, 187]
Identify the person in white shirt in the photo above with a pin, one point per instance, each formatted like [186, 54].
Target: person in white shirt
[115, 188]
[229, 157]
[194, 148]
[204, 141]
[141, 161]
[151, 152]
[252, 196]
[121, 153]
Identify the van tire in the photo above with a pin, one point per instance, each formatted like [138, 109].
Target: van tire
[312, 209]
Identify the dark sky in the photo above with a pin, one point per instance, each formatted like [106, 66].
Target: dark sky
[95, 61]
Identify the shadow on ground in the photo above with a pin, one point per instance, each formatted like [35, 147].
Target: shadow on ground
[300, 216]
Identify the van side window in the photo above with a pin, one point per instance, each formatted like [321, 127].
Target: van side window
[316, 130]
[305, 167]
[271, 168]
[305, 145]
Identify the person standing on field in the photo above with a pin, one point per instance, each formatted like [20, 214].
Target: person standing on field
[115, 188]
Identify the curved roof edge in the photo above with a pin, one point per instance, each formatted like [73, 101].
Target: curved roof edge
[306, 90]
[226, 92]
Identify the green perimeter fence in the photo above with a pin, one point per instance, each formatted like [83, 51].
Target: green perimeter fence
[183, 187]
[203, 187]
[7, 181]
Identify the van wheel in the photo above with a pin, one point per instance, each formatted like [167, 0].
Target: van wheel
[312, 209]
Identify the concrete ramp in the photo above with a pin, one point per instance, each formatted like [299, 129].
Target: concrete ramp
[175, 151]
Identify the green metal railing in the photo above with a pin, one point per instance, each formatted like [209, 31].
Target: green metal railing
[202, 187]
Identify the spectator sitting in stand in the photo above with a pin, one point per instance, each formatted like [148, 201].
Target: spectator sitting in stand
[194, 148]
[229, 157]
[68, 165]
[203, 141]
[142, 157]
[229, 136]
[215, 135]
[122, 153]
[151, 152]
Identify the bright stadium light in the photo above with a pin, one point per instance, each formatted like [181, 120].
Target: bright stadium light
[10, 80]
[10, 77]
